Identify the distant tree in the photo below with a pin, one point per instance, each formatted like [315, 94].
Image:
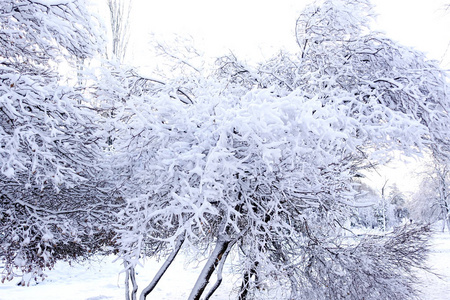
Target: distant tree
[383, 210]
[119, 14]
[390, 209]
[432, 201]
[399, 201]
[363, 214]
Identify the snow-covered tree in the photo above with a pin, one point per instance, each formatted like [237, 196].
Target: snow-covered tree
[263, 161]
[390, 210]
[119, 17]
[432, 201]
[383, 209]
[52, 199]
[363, 213]
[256, 160]
[398, 201]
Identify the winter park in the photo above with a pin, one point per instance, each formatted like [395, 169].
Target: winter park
[242, 150]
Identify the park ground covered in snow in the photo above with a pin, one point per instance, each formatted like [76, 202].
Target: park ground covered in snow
[101, 279]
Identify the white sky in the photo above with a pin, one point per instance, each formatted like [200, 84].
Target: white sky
[255, 29]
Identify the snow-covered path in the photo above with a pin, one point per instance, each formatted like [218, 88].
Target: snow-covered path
[433, 287]
[99, 280]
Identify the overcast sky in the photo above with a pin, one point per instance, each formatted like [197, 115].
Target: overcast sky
[254, 29]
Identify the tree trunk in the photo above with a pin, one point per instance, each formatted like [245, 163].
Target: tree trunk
[243, 292]
[127, 285]
[148, 289]
[208, 269]
[219, 271]
[134, 283]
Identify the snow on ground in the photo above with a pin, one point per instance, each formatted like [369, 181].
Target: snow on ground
[99, 280]
[432, 286]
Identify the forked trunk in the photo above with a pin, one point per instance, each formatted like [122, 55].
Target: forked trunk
[219, 271]
[208, 269]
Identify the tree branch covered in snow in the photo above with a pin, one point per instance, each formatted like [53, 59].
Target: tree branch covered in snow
[273, 151]
[53, 203]
[260, 161]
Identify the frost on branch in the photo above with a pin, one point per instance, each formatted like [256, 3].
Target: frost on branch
[251, 171]
[259, 161]
[39, 30]
[263, 160]
[50, 140]
[369, 267]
